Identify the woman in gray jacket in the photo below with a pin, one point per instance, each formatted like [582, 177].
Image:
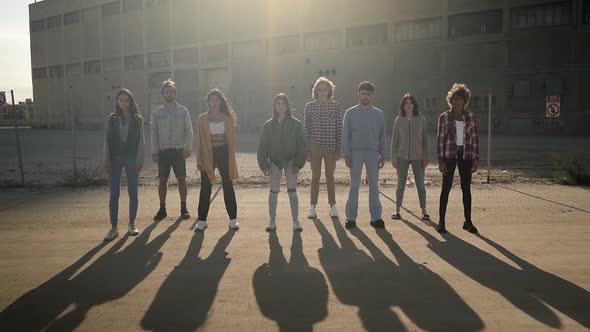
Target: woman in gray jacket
[409, 145]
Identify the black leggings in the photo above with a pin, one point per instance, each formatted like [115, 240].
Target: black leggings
[465, 175]
[221, 161]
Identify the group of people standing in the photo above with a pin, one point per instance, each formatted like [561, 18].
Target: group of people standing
[285, 145]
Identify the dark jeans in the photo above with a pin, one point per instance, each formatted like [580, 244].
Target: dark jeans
[221, 162]
[465, 175]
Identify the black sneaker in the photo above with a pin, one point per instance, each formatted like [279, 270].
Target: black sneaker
[441, 228]
[184, 213]
[468, 226]
[378, 223]
[350, 224]
[161, 214]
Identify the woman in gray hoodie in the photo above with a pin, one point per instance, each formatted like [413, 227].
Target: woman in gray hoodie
[409, 145]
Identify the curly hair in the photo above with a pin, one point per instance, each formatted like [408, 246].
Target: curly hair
[461, 90]
[168, 84]
[325, 81]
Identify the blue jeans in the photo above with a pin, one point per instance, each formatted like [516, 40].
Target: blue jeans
[371, 161]
[117, 165]
[402, 177]
[275, 186]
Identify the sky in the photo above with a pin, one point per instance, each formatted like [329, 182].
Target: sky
[15, 54]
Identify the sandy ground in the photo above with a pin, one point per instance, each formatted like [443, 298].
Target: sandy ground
[527, 271]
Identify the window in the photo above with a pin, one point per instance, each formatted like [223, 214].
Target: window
[39, 73]
[91, 14]
[73, 69]
[38, 25]
[283, 45]
[366, 35]
[248, 48]
[521, 88]
[553, 87]
[322, 40]
[92, 67]
[475, 23]
[56, 71]
[586, 12]
[155, 3]
[131, 5]
[53, 22]
[216, 53]
[134, 62]
[417, 30]
[112, 65]
[541, 15]
[156, 79]
[159, 59]
[72, 18]
[111, 9]
[186, 56]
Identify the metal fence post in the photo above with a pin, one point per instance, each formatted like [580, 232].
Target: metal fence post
[489, 132]
[20, 156]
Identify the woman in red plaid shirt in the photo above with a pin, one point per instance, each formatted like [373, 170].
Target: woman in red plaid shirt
[458, 147]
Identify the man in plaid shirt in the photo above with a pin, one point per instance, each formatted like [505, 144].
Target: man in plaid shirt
[323, 135]
[458, 147]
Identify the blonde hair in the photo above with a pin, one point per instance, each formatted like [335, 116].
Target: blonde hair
[323, 80]
[461, 90]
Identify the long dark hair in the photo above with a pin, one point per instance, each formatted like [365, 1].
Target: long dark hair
[285, 99]
[412, 99]
[133, 108]
[224, 106]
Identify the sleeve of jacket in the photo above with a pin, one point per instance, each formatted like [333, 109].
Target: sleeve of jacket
[307, 122]
[440, 139]
[346, 135]
[141, 145]
[475, 141]
[263, 149]
[188, 132]
[425, 145]
[154, 142]
[199, 143]
[106, 148]
[339, 130]
[301, 147]
[394, 140]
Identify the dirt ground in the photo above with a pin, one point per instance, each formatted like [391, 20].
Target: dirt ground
[527, 271]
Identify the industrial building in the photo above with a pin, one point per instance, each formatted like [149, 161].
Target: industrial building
[83, 51]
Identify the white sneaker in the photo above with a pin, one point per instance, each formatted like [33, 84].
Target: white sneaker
[201, 225]
[133, 231]
[311, 214]
[333, 211]
[296, 226]
[233, 224]
[112, 234]
[272, 226]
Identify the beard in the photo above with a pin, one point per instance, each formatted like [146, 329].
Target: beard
[365, 102]
[169, 99]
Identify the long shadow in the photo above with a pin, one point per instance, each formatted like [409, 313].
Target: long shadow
[108, 278]
[375, 284]
[293, 294]
[37, 308]
[185, 298]
[528, 288]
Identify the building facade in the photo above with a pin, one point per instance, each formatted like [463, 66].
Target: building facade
[522, 51]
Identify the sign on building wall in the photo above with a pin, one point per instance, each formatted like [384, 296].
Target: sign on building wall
[553, 106]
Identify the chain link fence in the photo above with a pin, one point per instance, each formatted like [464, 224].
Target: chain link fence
[66, 157]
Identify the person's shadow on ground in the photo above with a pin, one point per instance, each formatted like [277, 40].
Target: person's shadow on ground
[293, 294]
[528, 288]
[186, 296]
[108, 278]
[376, 284]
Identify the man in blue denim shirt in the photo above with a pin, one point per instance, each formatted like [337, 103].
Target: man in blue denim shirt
[172, 143]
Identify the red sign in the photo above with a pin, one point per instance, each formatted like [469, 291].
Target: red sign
[553, 106]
